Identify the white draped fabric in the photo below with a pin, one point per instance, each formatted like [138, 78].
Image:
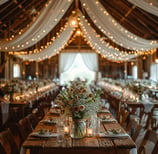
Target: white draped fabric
[53, 49]
[91, 61]
[45, 22]
[154, 72]
[3, 1]
[153, 9]
[111, 28]
[135, 72]
[5, 111]
[101, 46]
[66, 61]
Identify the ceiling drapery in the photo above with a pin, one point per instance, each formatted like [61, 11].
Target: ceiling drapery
[101, 46]
[53, 13]
[47, 20]
[146, 6]
[111, 28]
[53, 49]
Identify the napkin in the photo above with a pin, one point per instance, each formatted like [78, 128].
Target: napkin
[121, 135]
[37, 134]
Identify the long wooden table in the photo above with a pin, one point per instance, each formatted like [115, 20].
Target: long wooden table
[93, 145]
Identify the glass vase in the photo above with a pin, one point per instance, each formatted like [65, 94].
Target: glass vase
[78, 129]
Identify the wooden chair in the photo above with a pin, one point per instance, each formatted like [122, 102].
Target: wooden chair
[134, 129]
[33, 119]
[25, 128]
[15, 130]
[2, 150]
[151, 136]
[123, 114]
[154, 120]
[7, 142]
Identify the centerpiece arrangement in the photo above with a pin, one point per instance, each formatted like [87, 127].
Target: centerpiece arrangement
[137, 88]
[80, 102]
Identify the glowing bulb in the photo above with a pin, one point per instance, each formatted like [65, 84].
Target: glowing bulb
[73, 22]
[78, 32]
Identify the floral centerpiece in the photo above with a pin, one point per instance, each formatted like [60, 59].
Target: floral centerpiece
[79, 102]
[137, 88]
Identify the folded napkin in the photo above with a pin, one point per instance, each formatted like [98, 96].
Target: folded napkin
[108, 120]
[37, 134]
[121, 135]
[47, 121]
[148, 105]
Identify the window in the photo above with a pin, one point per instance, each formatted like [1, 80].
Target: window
[16, 71]
[134, 72]
[78, 70]
[154, 72]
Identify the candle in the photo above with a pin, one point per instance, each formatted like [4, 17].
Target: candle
[66, 129]
[89, 131]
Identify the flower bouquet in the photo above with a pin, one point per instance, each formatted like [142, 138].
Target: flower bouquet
[80, 103]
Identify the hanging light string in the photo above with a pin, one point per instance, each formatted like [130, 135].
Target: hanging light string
[111, 28]
[58, 44]
[113, 44]
[150, 6]
[46, 21]
[100, 45]
[41, 48]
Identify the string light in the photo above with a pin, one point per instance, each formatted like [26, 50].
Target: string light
[50, 23]
[116, 25]
[117, 56]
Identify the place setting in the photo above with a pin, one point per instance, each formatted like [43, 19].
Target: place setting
[49, 121]
[43, 133]
[107, 118]
[114, 133]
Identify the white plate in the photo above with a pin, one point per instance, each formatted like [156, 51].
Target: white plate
[37, 134]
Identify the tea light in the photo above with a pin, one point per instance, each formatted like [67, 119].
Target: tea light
[66, 129]
[89, 131]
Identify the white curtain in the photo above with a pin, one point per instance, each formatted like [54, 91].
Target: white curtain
[3, 1]
[5, 111]
[91, 61]
[154, 72]
[46, 21]
[111, 28]
[153, 9]
[135, 72]
[66, 60]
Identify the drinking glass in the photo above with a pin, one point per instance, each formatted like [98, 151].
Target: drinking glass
[60, 132]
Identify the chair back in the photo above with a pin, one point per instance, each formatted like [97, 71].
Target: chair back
[25, 128]
[15, 130]
[33, 119]
[134, 129]
[7, 142]
[151, 136]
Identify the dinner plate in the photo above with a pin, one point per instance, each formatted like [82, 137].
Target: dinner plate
[37, 134]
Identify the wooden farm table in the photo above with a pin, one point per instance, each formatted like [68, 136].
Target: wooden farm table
[93, 145]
